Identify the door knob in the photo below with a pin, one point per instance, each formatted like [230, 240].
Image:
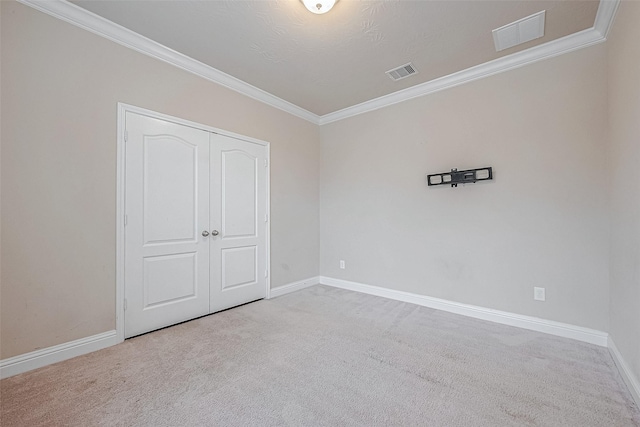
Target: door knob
[205, 233]
[215, 233]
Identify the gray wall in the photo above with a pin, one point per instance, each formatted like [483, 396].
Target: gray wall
[60, 88]
[624, 137]
[543, 221]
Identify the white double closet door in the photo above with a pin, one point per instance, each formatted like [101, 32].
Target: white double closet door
[195, 224]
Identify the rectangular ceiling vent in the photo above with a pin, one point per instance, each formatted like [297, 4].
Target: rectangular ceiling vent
[521, 31]
[402, 72]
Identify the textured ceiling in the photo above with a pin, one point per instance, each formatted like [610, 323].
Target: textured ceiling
[324, 63]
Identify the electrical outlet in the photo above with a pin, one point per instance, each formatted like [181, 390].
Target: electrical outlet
[538, 294]
[342, 264]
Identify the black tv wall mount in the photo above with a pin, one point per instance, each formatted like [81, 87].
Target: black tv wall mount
[456, 177]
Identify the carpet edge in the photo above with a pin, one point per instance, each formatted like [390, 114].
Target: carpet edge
[627, 375]
[57, 353]
[294, 286]
[552, 327]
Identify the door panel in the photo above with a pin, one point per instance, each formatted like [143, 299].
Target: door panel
[239, 267]
[170, 175]
[239, 194]
[238, 212]
[167, 208]
[170, 278]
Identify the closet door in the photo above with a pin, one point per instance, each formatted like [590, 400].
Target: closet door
[167, 213]
[238, 222]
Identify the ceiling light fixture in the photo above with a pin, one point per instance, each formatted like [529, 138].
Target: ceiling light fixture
[318, 6]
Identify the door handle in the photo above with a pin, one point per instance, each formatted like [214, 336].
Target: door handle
[215, 233]
[205, 233]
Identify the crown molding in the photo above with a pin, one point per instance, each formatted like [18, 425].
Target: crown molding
[596, 34]
[605, 16]
[89, 21]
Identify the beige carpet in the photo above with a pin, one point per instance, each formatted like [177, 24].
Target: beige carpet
[325, 356]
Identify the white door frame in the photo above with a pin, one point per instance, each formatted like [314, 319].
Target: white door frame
[120, 193]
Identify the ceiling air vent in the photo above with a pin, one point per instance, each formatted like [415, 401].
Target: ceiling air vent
[402, 72]
[520, 31]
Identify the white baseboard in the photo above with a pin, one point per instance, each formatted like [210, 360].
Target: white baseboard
[526, 322]
[47, 356]
[294, 286]
[39, 358]
[625, 372]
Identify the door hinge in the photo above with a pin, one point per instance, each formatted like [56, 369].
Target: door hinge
[125, 304]
[266, 273]
[266, 162]
[126, 136]
[266, 218]
[126, 220]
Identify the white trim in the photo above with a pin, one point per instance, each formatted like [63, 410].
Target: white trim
[268, 228]
[597, 34]
[89, 21]
[605, 16]
[526, 322]
[120, 197]
[294, 286]
[120, 212]
[538, 53]
[625, 372]
[39, 358]
[96, 24]
[166, 117]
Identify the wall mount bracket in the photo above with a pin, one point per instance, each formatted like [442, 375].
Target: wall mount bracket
[456, 177]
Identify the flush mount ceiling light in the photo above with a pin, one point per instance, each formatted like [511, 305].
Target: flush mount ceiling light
[319, 6]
